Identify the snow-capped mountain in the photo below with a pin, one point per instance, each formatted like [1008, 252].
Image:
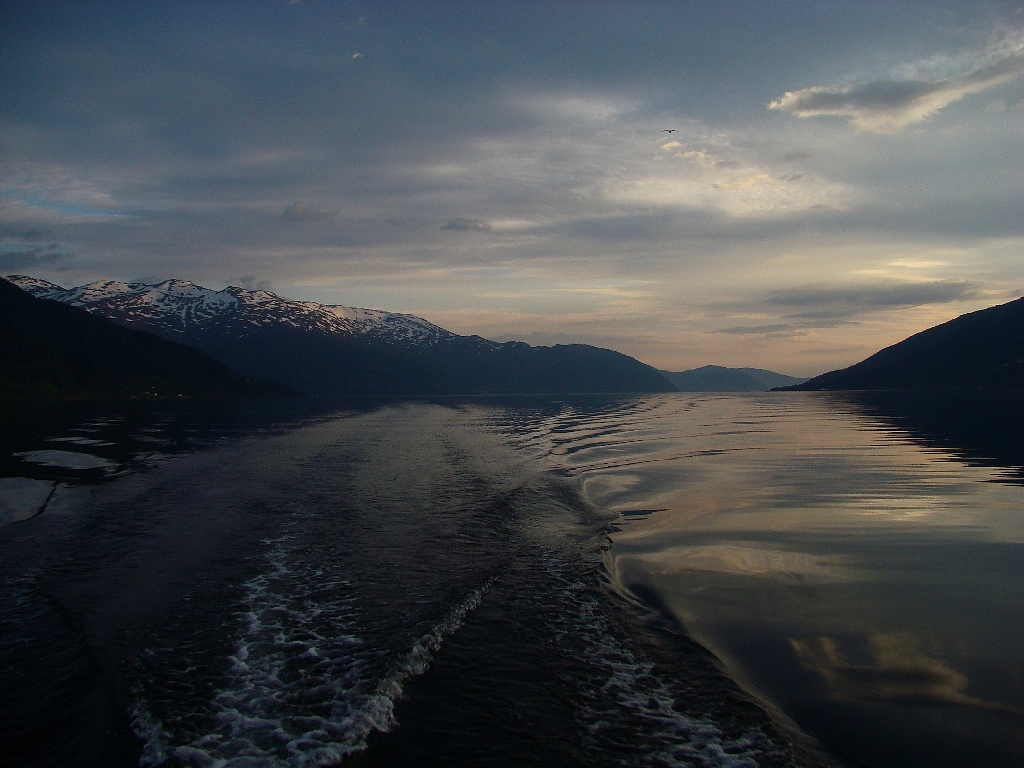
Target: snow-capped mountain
[175, 307]
[334, 350]
[51, 351]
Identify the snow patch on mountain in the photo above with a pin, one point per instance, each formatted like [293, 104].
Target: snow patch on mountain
[34, 285]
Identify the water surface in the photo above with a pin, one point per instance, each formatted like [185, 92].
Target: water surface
[861, 580]
[705, 580]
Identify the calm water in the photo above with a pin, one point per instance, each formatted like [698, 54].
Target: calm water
[515, 583]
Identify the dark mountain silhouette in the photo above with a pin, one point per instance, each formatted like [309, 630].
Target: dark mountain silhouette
[979, 349]
[333, 350]
[716, 378]
[52, 351]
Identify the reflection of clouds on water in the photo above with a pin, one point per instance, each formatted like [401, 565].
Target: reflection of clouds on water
[775, 564]
[895, 508]
[900, 671]
[66, 459]
[80, 441]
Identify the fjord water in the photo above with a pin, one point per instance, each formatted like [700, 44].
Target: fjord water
[514, 583]
[862, 581]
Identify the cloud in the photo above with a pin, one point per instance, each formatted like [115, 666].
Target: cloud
[762, 330]
[889, 106]
[467, 225]
[823, 302]
[38, 257]
[650, 226]
[25, 233]
[304, 212]
[739, 189]
[793, 312]
[253, 283]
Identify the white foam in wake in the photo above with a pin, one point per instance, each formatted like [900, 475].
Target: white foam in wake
[22, 498]
[636, 699]
[301, 689]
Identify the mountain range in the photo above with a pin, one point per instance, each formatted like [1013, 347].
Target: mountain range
[54, 351]
[332, 350]
[981, 349]
[716, 378]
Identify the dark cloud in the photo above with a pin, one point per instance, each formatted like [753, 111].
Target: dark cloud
[760, 330]
[467, 225]
[835, 303]
[45, 257]
[889, 105]
[797, 310]
[790, 329]
[27, 233]
[303, 212]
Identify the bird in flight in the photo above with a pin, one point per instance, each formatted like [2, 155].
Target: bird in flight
[668, 130]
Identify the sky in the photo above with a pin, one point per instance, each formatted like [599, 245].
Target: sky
[783, 185]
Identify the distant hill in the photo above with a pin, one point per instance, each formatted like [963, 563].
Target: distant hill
[979, 349]
[333, 350]
[52, 351]
[715, 378]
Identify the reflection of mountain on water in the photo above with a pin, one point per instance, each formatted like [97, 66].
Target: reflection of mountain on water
[89, 441]
[982, 427]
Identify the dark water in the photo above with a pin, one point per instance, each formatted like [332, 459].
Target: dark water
[509, 583]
